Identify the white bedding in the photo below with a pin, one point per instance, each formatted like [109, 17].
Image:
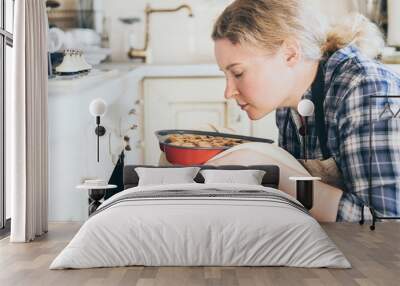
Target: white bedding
[200, 231]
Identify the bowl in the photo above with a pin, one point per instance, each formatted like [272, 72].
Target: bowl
[182, 155]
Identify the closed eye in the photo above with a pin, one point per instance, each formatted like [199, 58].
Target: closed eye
[238, 75]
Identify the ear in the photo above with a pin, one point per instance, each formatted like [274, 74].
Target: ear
[292, 52]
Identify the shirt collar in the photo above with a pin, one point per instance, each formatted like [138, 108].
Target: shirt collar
[333, 61]
[330, 63]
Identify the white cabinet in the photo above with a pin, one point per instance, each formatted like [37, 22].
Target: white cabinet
[190, 103]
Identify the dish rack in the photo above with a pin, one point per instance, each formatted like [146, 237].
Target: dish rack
[73, 63]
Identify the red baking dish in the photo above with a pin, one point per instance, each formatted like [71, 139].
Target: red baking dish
[180, 155]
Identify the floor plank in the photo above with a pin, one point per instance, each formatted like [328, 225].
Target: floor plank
[374, 255]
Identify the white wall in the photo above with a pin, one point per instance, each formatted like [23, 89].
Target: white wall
[176, 38]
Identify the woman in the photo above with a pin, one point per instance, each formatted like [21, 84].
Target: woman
[276, 53]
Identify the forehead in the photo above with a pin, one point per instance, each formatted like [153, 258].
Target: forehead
[227, 53]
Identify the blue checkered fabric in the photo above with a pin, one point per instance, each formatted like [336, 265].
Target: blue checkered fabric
[350, 80]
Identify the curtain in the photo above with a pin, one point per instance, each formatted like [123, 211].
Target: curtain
[26, 123]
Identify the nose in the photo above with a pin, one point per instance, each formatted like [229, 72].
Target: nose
[230, 89]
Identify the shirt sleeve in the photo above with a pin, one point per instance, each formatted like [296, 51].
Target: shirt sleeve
[350, 208]
[354, 129]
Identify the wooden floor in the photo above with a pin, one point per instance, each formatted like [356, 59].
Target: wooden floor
[375, 257]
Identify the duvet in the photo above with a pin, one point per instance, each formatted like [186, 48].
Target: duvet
[203, 225]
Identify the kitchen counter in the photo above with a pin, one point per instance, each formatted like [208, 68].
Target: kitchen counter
[107, 72]
[68, 84]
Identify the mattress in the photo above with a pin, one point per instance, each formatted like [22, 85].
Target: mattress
[201, 225]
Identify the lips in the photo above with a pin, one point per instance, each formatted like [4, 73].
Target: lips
[243, 106]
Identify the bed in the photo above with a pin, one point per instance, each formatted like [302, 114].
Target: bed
[201, 224]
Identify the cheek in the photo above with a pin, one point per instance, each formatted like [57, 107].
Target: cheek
[251, 90]
[261, 90]
[264, 92]
[273, 84]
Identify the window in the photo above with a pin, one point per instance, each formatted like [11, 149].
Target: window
[6, 44]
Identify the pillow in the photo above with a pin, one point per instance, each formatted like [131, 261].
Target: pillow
[249, 177]
[163, 176]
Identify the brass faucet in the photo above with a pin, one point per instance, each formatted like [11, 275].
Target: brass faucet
[142, 53]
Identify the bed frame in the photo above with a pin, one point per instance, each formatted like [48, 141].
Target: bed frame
[270, 179]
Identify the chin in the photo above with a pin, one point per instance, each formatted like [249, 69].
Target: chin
[254, 115]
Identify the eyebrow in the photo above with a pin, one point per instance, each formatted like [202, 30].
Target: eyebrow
[231, 65]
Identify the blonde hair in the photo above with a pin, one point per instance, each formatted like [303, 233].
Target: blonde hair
[268, 23]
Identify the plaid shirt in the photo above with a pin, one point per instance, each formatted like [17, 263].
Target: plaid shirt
[350, 78]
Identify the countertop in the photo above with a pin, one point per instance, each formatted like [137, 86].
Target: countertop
[103, 73]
